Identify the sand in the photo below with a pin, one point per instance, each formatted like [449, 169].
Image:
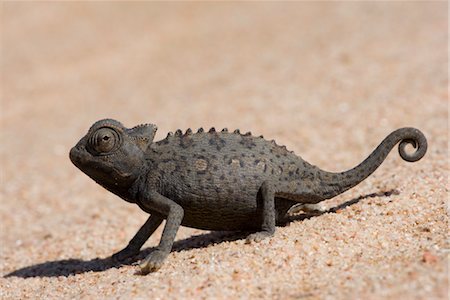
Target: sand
[328, 80]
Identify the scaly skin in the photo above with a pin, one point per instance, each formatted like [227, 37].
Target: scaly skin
[213, 180]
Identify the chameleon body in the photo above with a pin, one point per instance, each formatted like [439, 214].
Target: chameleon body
[213, 180]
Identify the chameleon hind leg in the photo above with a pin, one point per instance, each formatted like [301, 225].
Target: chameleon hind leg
[266, 209]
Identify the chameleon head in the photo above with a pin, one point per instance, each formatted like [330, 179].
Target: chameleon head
[112, 154]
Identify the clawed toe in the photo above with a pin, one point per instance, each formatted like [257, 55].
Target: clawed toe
[152, 262]
[257, 237]
[308, 208]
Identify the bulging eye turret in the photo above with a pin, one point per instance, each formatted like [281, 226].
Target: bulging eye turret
[104, 141]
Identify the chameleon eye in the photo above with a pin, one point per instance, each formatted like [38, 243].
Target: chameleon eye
[104, 140]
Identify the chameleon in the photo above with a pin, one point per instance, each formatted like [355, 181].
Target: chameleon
[214, 180]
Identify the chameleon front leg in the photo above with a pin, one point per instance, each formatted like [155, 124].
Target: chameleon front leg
[135, 244]
[174, 215]
[267, 210]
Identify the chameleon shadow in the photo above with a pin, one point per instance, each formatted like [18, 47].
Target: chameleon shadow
[68, 267]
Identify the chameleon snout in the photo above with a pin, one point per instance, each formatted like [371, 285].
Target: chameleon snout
[78, 156]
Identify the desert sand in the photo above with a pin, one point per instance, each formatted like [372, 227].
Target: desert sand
[328, 80]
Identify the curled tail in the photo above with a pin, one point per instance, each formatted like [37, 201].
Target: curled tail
[337, 183]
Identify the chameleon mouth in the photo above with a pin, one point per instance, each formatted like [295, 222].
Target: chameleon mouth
[81, 158]
[76, 156]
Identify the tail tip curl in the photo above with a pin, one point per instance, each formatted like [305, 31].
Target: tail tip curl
[417, 139]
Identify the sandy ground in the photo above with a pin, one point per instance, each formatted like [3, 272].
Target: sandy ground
[328, 80]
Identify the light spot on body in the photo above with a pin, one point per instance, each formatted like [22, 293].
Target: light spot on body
[261, 166]
[292, 167]
[293, 185]
[201, 164]
[235, 163]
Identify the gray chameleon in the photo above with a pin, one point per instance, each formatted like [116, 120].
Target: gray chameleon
[214, 180]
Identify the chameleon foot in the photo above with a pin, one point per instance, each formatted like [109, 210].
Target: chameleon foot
[308, 208]
[152, 262]
[258, 237]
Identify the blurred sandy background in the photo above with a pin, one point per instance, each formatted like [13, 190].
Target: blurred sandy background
[329, 80]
